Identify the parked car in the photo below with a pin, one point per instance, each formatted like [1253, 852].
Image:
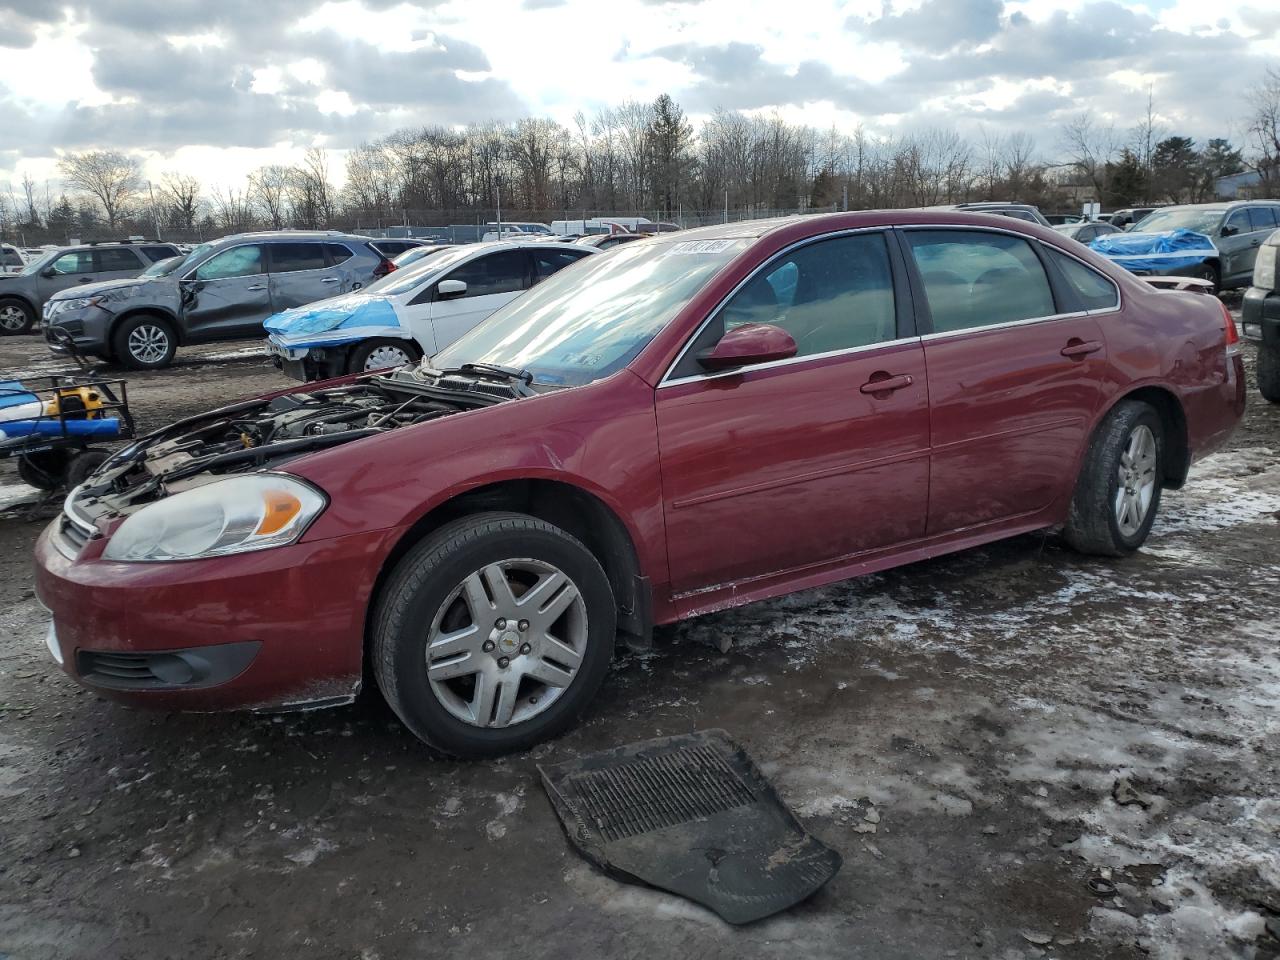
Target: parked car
[1126, 218]
[607, 241]
[23, 296]
[516, 229]
[1236, 229]
[1260, 316]
[11, 259]
[413, 312]
[220, 291]
[1086, 230]
[1018, 211]
[680, 426]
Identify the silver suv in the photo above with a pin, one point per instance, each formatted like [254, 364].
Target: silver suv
[23, 294]
[219, 291]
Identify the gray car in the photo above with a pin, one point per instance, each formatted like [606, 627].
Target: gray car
[23, 295]
[1236, 229]
[219, 291]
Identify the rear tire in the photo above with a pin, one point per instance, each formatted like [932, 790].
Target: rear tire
[382, 352]
[83, 464]
[1269, 372]
[441, 606]
[46, 470]
[144, 342]
[16, 316]
[1118, 491]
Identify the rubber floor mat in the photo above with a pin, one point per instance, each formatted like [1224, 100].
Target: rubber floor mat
[690, 814]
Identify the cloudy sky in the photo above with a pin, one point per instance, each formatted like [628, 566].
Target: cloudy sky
[218, 87]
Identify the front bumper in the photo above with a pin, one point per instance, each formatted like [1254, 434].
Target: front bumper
[309, 363]
[275, 629]
[1260, 316]
[88, 328]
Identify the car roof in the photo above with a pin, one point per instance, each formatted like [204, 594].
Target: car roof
[287, 236]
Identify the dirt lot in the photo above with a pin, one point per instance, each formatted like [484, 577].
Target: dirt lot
[992, 707]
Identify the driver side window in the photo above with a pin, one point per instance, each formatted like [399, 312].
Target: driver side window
[245, 261]
[1238, 222]
[78, 261]
[831, 295]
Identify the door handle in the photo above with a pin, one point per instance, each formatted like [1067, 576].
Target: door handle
[329, 280]
[85, 280]
[1079, 349]
[885, 383]
[257, 286]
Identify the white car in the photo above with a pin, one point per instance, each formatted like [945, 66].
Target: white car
[11, 259]
[516, 230]
[413, 312]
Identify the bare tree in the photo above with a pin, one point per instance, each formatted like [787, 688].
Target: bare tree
[181, 195]
[1091, 148]
[112, 178]
[233, 209]
[29, 200]
[269, 189]
[1264, 128]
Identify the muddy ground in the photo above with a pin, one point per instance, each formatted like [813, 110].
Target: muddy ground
[992, 707]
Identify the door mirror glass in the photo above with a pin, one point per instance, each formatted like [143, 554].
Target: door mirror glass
[748, 344]
[451, 289]
[1229, 231]
[48, 272]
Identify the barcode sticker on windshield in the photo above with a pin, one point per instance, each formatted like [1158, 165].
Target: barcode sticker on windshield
[693, 247]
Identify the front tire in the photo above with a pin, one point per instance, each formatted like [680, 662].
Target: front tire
[16, 316]
[1118, 491]
[144, 342]
[1269, 372]
[493, 634]
[1210, 272]
[382, 352]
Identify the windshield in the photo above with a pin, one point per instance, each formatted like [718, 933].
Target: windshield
[35, 266]
[410, 278]
[1201, 221]
[591, 319]
[415, 254]
[162, 268]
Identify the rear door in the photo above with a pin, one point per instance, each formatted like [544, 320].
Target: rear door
[300, 274]
[492, 280]
[1016, 368]
[229, 295]
[798, 463]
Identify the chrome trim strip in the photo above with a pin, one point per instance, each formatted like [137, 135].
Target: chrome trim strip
[84, 525]
[769, 365]
[666, 380]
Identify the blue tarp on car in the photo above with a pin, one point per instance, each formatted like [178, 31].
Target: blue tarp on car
[1174, 250]
[356, 315]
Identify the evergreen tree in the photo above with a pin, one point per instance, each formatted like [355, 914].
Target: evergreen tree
[670, 139]
[1126, 180]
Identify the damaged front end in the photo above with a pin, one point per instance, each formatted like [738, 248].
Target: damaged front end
[264, 434]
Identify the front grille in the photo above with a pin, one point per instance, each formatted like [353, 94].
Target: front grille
[126, 669]
[165, 669]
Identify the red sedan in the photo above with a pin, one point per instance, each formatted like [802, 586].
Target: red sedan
[691, 423]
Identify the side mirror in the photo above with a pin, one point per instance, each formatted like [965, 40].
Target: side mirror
[48, 272]
[747, 344]
[450, 289]
[1228, 231]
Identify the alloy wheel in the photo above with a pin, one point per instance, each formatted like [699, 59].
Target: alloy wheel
[148, 343]
[1137, 480]
[506, 643]
[12, 318]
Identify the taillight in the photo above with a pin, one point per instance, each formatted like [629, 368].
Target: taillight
[1232, 336]
[384, 267]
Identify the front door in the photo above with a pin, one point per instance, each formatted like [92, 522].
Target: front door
[71, 269]
[492, 280]
[801, 462]
[227, 296]
[1013, 384]
[1238, 245]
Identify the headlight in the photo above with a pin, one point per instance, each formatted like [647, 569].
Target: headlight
[227, 516]
[54, 307]
[1264, 268]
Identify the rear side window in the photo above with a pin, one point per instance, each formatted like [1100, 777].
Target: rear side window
[292, 257]
[974, 279]
[159, 253]
[338, 252]
[245, 261]
[1262, 218]
[1094, 290]
[547, 262]
[505, 272]
[77, 261]
[831, 295]
[118, 258]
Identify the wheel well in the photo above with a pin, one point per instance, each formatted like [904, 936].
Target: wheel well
[571, 509]
[1174, 420]
[25, 301]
